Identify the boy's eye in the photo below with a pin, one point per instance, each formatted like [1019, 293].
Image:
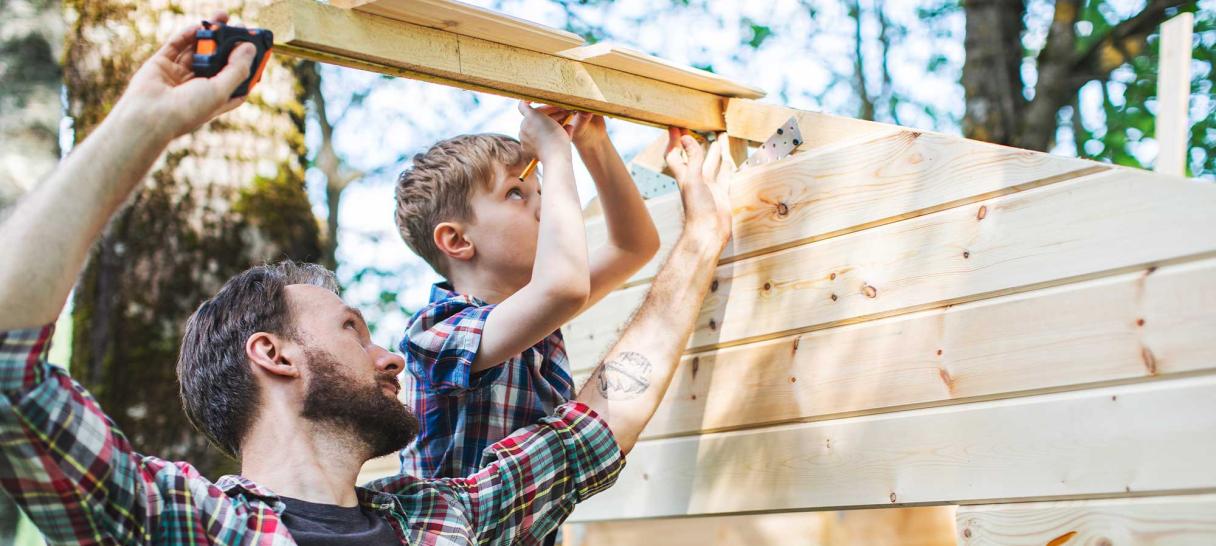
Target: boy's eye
[515, 193]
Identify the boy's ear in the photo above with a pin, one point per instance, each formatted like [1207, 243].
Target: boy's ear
[270, 353]
[452, 241]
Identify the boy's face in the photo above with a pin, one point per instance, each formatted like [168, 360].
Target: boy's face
[506, 223]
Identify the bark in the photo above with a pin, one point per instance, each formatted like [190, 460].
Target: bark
[992, 81]
[996, 109]
[226, 197]
[31, 43]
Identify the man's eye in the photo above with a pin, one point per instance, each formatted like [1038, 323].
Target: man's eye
[515, 193]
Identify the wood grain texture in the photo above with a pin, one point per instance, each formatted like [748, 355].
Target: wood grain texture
[1083, 228]
[469, 20]
[1182, 520]
[1116, 441]
[921, 526]
[1174, 94]
[1125, 327]
[309, 29]
[756, 121]
[827, 193]
[635, 62]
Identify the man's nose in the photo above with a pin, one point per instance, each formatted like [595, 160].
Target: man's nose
[388, 361]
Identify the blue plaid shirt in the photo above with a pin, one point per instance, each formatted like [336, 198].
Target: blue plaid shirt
[463, 413]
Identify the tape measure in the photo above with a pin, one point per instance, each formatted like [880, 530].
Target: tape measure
[216, 42]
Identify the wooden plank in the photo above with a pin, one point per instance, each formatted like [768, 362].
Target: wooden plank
[756, 121]
[633, 61]
[1114, 221]
[1182, 520]
[469, 20]
[1118, 441]
[1174, 94]
[1116, 329]
[828, 193]
[921, 526]
[312, 30]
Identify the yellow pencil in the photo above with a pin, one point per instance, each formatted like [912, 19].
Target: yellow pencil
[532, 164]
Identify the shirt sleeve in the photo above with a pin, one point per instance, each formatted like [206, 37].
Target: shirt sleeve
[61, 458]
[534, 477]
[441, 345]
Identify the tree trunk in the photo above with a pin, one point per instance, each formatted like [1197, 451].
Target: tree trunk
[31, 43]
[228, 196]
[992, 80]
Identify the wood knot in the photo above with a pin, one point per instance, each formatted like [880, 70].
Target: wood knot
[793, 380]
[1139, 322]
[834, 298]
[983, 213]
[939, 352]
[768, 286]
[966, 254]
[1062, 539]
[797, 340]
[892, 496]
[713, 325]
[869, 291]
[782, 209]
[832, 277]
[1150, 361]
[696, 366]
[694, 397]
[713, 287]
[967, 533]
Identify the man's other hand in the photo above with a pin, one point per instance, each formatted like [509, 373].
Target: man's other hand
[704, 185]
[165, 92]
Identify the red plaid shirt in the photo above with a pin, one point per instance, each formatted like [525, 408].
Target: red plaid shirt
[64, 461]
[463, 413]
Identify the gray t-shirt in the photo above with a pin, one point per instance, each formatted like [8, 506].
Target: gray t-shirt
[313, 524]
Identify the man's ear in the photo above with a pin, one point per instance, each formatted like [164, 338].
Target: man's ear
[453, 242]
[269, 353]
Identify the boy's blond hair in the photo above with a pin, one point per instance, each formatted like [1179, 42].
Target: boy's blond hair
[439, 184]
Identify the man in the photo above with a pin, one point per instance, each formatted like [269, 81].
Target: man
[281, 374]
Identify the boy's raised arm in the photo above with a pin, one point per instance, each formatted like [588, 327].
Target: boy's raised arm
[632, 237]
[559, 284]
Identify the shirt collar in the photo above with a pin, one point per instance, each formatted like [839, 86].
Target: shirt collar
[443, 290]
[233, 485]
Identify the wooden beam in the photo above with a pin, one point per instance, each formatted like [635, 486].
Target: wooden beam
[922, 526]
[1084, 228]
[1179, 520]
[1111, 442]
[470, 20]
[827, 193]
[756, 121]
[312, 30]
[1124, 328]
[635, 62]
[1174, 94]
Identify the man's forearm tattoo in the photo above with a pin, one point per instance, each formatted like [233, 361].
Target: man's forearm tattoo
[624, 377]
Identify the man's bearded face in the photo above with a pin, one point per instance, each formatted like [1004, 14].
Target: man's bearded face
[381, 421]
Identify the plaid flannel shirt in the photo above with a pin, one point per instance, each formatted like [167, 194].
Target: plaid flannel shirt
[64, 461]
[463, 413]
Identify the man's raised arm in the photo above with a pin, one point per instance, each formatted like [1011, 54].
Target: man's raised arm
[48, 236]
[626, 388]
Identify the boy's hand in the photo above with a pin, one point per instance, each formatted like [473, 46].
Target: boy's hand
[165, 93]
[703, 185]
[540, 134]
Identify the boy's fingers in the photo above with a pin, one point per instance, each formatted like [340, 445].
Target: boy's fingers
[675, 162]
[525, 108]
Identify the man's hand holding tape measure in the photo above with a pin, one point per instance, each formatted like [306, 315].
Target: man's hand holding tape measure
[202, 72]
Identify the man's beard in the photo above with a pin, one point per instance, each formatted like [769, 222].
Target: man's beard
[382, 423]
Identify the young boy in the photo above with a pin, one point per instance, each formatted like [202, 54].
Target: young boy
[486, 355]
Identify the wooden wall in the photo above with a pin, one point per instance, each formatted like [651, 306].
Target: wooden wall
[908, 318]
